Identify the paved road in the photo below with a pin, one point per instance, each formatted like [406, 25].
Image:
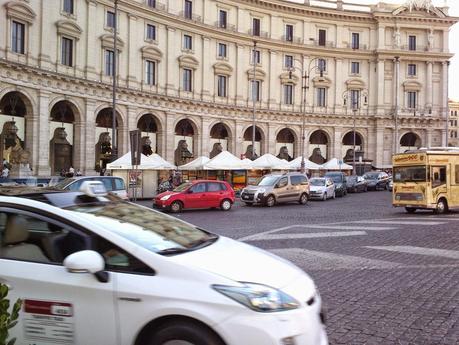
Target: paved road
[386, 277]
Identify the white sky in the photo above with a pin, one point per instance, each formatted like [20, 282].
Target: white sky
[453, 39]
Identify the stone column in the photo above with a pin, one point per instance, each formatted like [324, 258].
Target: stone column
[446, 40]
[172, 82]
[271, 137]
[205, 146]
[79, 144]
[336, 144]
[444, 140]
[429, 85]
[207, 75]
[274, 83]
[241, 80]
[133, 53]
[46, 31]
[379, 148]
[338, 84]
[90, 138]
[380, 80]
[381, 37]
[444, 94]
[428, 131]
[41, 142]
[169, 131]
[91, 56]
[239, 138]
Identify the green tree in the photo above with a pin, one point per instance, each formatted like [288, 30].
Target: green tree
[7, 320]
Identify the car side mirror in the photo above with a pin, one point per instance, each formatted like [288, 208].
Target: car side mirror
[87, 261]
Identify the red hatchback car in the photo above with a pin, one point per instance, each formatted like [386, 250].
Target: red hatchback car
[196, 194]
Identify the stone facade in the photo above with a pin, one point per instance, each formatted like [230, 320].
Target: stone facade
[192, 60]
[453, 123]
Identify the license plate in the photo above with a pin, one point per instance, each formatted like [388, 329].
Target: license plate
[245, 197]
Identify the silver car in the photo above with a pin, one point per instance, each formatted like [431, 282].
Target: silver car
[277, 188]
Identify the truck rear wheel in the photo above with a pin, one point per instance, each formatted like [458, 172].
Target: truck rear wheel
[442, 206]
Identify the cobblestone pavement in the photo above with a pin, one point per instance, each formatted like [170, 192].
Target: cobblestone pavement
[386, 277]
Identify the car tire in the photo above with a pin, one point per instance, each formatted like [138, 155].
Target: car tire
[270, 201]
[176, 207]
[184, 332]
[303, 199]
[442, 206]
[225, 205]
[410, 209]
[324, 198]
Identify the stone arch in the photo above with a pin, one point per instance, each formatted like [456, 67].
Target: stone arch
[260, 139]
[347, 142]
[286, 138]
[186, 140]
[150, 127]
[104, 135]
[410, 141]
[221, 138]
[319, 146]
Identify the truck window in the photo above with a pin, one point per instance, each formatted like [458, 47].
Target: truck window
[456, 168]
[438, 176]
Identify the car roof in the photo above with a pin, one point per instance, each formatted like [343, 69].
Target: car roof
[76, 178]
[198, 181]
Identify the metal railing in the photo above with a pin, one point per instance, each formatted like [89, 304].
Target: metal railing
[157, 5]
[292, 39]
[359, 46]
[326, 44]
[190, 16]
[258, 33]
[225, 26]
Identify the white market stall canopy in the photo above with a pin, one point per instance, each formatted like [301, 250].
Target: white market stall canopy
[296, 164]
[197, 164]
[269, 161]
[226, 161]
[334, 164]
[153, 162]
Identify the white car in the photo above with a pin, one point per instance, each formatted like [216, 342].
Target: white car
[321, 188]
[114, 185]
[93, 269]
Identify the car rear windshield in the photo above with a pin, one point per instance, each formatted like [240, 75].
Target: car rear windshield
[268, 181]
[147, 228]
[317, 182]
[410, 174]
[371, 176]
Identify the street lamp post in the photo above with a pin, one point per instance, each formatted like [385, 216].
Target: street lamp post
[114, 72]
[254, 98]
[305, 74]
[397, 76]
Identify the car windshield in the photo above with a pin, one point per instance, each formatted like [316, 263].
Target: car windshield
[183, 187]
[351, 178]
[335, 178]
[317, 182]
[268, 181]
[149, 229]
[410, 174]
[64, 183]
[371, 176]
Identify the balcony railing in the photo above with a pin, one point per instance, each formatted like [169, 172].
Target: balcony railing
[258, 33]
[326, 44]
[190, 16]
[357, 47]
[293, 40]
[157, 5]
[225, 26]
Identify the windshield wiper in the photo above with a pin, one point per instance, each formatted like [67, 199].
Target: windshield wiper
[198, 244]
[173, 251]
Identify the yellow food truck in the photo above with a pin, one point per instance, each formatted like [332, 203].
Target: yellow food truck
[426, 179]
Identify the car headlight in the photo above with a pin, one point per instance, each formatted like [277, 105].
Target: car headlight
[261, 191]
[260, 298]
[165, 197]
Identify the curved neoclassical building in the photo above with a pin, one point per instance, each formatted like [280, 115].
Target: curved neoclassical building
[188, 71]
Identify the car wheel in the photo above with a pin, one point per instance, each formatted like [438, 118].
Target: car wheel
[410, 209]
[325, 196]
[270, 201]
[225, 205]
[303, 199]
[184, 333]
[442, 207]
[176, 207]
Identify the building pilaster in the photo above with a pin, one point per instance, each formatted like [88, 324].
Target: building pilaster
[42, 140]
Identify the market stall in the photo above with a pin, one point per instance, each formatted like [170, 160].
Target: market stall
[194, 170]
[311, 167]
[142, 178]
[335, 164]
[225, 166]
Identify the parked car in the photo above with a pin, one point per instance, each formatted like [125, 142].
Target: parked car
[376, 180]
[112, 184]
[356, 184]
[196, 194]
[107, 271]
[390, 185]
[339, 178]
[277, 188]
[322, 188]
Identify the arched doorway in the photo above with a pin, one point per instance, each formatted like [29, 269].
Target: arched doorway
[410, 141]
[103, 148]
[61, 132]
[13, 112]
[348, 145]
[247, 144]
[220, 139]
[318, 147]
[185, 142]
[285, 144]
[148, 126]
